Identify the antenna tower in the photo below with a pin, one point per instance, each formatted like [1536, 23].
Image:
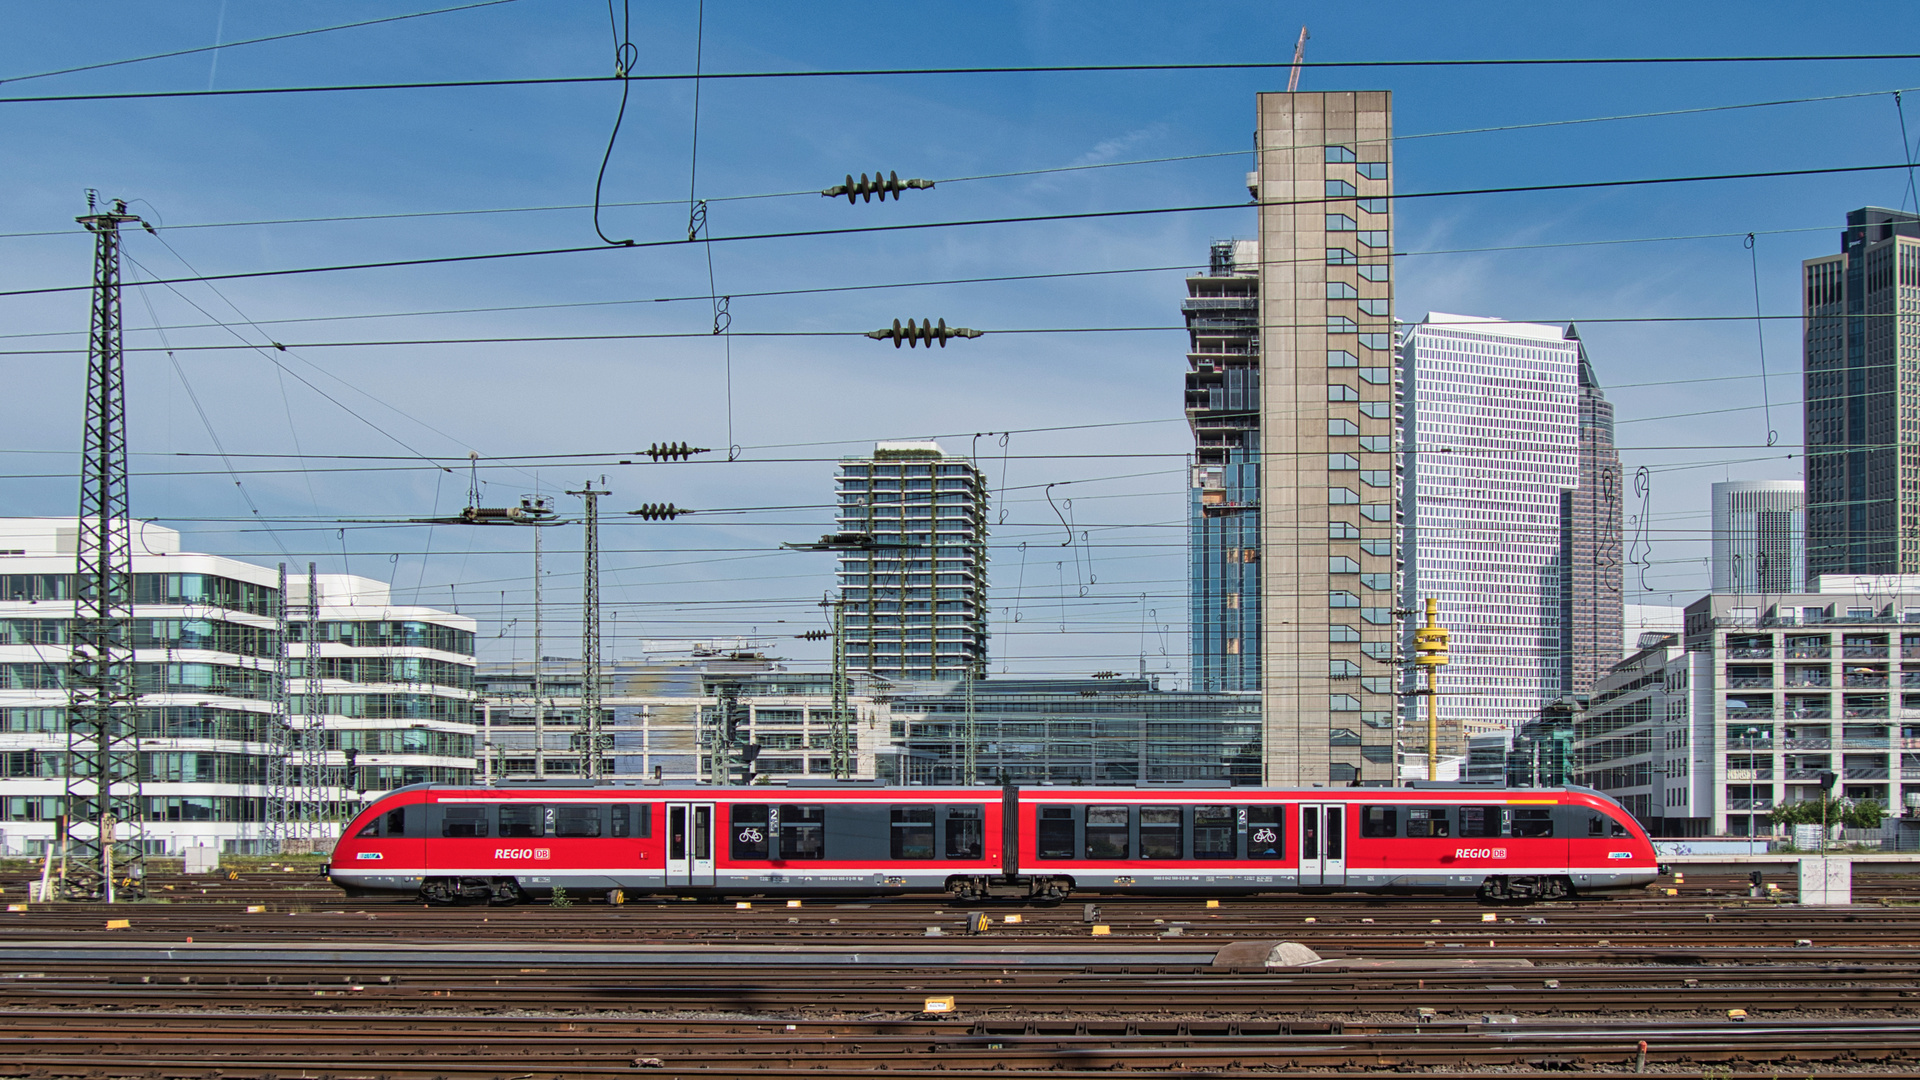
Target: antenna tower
[103, 802]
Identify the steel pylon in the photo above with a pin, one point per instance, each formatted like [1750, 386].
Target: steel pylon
[105, 815]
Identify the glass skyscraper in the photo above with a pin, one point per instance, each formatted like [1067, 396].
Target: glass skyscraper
[1863, 398]
[1759, 537]
[1492, 440]
[1592, 613]
[1223, 513]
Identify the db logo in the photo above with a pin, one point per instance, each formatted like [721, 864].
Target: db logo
[1480, 853]
[536, 854]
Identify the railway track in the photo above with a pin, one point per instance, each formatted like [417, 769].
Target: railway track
[273, 1045]
[314, 985]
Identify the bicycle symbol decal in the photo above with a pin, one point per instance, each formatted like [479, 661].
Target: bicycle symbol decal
[751, 836]
[1265, 836]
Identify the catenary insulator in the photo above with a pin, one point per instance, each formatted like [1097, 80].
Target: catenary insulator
[674, 451]
[658, 512]
[880, 186]
[926, 332]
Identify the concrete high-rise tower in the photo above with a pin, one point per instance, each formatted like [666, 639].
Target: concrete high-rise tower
[1592, 611]
[1223, 515]
[1492, 441]
[1863, 398]
[1328, 417]
[916, 602]
[1759, 537]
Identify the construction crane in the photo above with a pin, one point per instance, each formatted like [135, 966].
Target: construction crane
[1299, 55]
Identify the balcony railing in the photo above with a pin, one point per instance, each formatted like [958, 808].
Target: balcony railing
[1796, 743]
[1809, 652]
[1749, 804]
[1864, 652]
[1875, 681]
[1808, 713]
[1751, 652]
[1810, 776]
[1751, 744]
[1752, 682]
[1861, 772]
[1856, 742]
[1864, 712]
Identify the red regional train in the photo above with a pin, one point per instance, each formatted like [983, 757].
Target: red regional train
[447, 844]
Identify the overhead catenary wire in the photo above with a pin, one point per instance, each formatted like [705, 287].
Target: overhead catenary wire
[1022, 219]
[1018, 69]
[103, 64]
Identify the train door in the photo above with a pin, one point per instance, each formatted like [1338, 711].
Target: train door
[1323, 844]
[690, 844]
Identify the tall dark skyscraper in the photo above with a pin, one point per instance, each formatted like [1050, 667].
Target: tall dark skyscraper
[1862, 390]
[1223, 515]
[1591, 610]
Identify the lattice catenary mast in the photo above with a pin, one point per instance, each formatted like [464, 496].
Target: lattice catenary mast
[105, 816]
[592, 741]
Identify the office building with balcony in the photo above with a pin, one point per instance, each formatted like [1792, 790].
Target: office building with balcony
[1223, 512]
[1759, 537]
[1490, 444]
[1329, 421]
[1636, 742]
[396, 685]
[1862, 392]
[1787, 687]
[915, 601]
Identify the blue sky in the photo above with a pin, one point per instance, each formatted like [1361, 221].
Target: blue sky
[797, 403]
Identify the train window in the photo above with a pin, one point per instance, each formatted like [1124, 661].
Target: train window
[1160, 832]
[1055, 837]
[1379, 821]
[521, 819]
[1266, 832]
[576, 821]
[397, 822]
[803, 832]
[631, 819]
[1480, 821]
[371, 828]
[1107, 832]
[1596, 825]
[750, 833]
[1532, 821]
[463, 821]
[1615, 828]
[913, 832]
[966, 832]
[1427, 821]
[1213, 833]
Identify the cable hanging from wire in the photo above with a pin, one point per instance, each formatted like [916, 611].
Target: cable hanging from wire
[697, 228]
[625, 56]
[1760, 329]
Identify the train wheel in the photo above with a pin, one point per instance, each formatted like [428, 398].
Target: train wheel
[506, 894]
